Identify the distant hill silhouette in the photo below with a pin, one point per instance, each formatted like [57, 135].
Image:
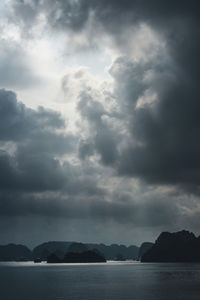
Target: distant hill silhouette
[13, 252]
[182, 246]
[77, 257]
[45, 249]
[109, 252]
[144, 248]
[114, 250]
[77, 248]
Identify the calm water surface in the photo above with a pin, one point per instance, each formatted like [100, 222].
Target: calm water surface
[111, 281]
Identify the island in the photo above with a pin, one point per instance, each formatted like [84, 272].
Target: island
[182, 246]
[89, 256]
[110, 252]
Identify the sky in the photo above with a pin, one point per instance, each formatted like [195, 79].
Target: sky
[99, 120]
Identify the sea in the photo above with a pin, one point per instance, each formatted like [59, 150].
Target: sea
[126, 280]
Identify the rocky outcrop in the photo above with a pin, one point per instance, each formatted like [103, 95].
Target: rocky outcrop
[180, 246]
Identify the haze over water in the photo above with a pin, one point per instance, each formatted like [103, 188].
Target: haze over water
[109, 281]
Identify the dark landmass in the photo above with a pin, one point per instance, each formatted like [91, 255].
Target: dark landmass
[60, 248]
[144, 248]
[77, 248]
[182, 246]
[72, 257]
[119, 257]
[12, 252]
[114, 250]
[60, 254]
[53, 259]
[45, 249]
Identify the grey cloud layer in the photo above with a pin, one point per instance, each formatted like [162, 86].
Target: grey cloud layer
[33, 165]
[34, 182]
[102, 139]
[156, 141]
[167, 134]
[33, 143]
[165, 146]
[74, 14]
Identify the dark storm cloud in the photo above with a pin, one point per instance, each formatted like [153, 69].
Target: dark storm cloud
[165, 143]
[86, 148]
[104, 141]
[34, 182]
[152, 213]
[167, 137]
[74, 14]
[18, 122]
[158, 143]
[33, 164]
